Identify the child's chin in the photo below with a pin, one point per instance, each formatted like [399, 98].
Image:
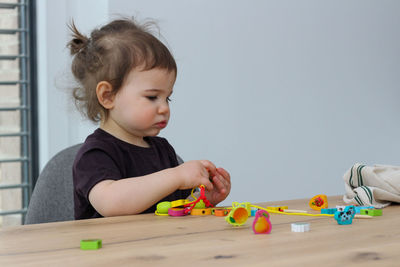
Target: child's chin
[154, 133]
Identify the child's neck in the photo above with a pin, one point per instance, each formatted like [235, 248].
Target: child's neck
[117, 131]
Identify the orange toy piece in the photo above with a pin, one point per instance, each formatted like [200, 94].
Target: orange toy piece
[200, 212]
[237, 216]
[319, 202]
[220, 212]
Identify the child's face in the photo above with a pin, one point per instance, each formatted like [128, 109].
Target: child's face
[141, 106]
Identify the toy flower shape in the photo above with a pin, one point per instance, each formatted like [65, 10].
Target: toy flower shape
[319, 202]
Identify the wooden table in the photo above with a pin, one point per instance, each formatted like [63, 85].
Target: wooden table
[142, 240]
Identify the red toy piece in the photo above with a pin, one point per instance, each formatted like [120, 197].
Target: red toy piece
[190, 206]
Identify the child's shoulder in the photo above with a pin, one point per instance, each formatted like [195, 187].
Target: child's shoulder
[99, 136]
[98, 140]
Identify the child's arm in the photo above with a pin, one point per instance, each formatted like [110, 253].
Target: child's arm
[136, 194]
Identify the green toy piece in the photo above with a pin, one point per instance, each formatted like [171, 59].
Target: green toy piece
[200, 205]
[163, 207]
[91, 244]
[371, 212]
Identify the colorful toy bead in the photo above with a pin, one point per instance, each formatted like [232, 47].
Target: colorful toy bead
[359, 208]
[162, 208]
[371, 212]
[246, 205]
[261, 223]
[220, 212]
[346, 216]
[200, 212]
[178, 203]
[328, 211]
[319, 202]
[200, 205]
[91, 244]
[238, 216]
[177, 212]
[253, 212]
[300, 227]
[189, 206]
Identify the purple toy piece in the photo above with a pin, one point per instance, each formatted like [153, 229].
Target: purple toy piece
[176, 212]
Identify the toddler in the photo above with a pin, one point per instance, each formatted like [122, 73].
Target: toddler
[126, 78]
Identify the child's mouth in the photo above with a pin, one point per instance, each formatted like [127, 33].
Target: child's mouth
[162, 124]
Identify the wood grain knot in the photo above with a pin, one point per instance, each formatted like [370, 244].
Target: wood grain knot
[367, 256]
[218, 257]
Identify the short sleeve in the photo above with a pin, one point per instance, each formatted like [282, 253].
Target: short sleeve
[92, 167]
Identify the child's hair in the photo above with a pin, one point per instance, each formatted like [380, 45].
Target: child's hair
[109, 55]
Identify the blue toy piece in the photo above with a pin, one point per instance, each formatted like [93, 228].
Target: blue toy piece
[346, 216]
[253, 212]
[328, 211]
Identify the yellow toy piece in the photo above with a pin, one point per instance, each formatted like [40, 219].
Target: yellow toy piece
[278, 208]
[200, 212]
[238, 216]
[290, 213]
[246, 205]
[179, 203]
[319, 202]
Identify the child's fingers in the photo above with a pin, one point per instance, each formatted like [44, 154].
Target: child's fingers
[225, 180]
[207, 184]
[220, 183]
[224, 173]
[209, 166]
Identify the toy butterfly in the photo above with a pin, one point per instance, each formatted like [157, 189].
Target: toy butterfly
[346, 216]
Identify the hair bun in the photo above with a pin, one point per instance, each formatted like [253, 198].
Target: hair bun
[79, 42]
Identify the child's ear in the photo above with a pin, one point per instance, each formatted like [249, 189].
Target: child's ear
[105, 94]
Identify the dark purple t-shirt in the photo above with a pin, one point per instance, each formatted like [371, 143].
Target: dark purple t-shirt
[105, 157]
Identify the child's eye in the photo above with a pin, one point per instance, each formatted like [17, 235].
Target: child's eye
[168, 99]
[151, 98]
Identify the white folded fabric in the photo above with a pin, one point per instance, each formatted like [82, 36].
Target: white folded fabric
[377, 185]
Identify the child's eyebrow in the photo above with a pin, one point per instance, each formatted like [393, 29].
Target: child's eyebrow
[156, 90]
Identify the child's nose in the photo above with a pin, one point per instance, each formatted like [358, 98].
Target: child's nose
[164, 108]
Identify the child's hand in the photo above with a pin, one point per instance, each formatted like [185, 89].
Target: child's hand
[196, 172]
[222, 187]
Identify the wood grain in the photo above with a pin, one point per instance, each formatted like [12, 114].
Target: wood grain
[148, 240]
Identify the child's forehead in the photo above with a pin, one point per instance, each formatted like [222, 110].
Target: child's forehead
[156, 78]
[151, 73]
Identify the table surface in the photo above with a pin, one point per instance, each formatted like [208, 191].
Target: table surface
[143, 240]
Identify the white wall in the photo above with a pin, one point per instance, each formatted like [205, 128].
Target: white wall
[286, 95]
[60, 125]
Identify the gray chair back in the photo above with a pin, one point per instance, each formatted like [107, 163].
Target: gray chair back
[52, 198]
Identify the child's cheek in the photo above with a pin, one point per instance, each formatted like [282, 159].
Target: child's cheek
[146, 117]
